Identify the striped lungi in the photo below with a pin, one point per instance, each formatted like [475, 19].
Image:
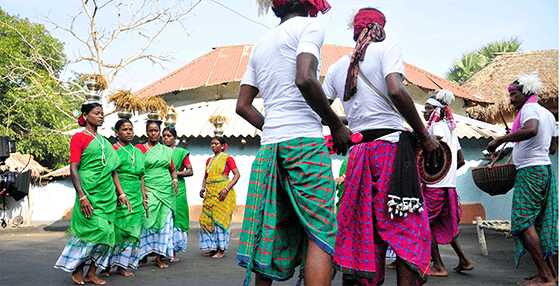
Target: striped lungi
[290, 197]
[365, 227]
[444, 212]
[159, 242]
[535, 202]
[78, 251]
[218, 239]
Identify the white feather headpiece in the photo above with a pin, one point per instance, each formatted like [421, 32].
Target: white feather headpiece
[531, 82]
[351, 17]
[264, 5]
[445, 96]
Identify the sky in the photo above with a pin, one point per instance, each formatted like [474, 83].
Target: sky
[431, 34]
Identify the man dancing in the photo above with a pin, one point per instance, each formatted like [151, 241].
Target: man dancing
[442, 200]
[289, 215]
[376, 210]
[534, 214]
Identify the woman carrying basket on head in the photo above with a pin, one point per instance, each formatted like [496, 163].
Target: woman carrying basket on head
[219, 200]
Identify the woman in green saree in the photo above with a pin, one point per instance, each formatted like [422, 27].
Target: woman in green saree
[93, 162]
[219, 200]
[128, 225]
[184, 169]
[161, 184]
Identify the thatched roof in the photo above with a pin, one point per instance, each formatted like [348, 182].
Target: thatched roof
[18, 161]
[492, 81]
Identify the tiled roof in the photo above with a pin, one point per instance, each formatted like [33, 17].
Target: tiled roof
[192, 121]
[228, 64]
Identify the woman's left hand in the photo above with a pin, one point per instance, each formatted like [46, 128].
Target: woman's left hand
[124, 201]
[223, 194]
[175, 187]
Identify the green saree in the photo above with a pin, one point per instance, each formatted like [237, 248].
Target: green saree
[97, 181]
[158, 182]
[181, 216]
[128, 225]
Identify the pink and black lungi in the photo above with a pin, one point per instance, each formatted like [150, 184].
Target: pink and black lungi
[365, 227]
[444, 212]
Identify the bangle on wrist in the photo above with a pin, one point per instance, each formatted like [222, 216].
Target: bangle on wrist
[226, 189]
[83, 198]
[122, 195]
[175, 180]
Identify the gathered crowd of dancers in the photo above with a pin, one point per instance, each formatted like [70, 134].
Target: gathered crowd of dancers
[131, 201]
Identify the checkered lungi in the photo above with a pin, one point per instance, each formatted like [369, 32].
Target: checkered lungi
[78, 251]
[365, 227]
[214, 240]
[159, 242]
[444, 212]
[125, 255]
[535, 202]
[290, 198]
[180, 239]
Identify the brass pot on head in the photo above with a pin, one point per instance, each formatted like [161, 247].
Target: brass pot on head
[171, 118]
[124, 114]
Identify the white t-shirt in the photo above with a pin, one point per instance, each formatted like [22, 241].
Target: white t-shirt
[272, 69]
[366, 109]
[534, 151]
[441, 128]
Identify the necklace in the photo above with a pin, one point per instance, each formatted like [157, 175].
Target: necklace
[213, 161]
[103, 158]
[132, 156]
[148, 147]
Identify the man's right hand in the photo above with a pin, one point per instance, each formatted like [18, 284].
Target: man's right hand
[431, 150]
[341, 137]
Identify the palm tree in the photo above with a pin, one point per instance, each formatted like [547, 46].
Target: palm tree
[471, 63]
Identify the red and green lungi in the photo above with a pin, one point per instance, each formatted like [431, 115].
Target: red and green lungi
[290, 197]
[365, 226]
[444, 212]
[535, 202]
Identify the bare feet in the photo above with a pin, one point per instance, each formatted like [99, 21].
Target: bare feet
[95, 280]
[538, 281]
[124, 272]
[143, 261]
[219, 254]
[105, 272]
[175, 259]
[77, 276]
[462, 267]
[210, 253]
[160, 263]
[392, 265]
[438, 272]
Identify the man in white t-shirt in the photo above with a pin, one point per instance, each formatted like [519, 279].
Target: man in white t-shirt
[534, 215]
[289, 212]
[380, 182]
[441, 198]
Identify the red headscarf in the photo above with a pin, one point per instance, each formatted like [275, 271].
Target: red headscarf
[317, 5]
[370, 25]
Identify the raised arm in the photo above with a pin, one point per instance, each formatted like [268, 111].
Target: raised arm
[310, 87]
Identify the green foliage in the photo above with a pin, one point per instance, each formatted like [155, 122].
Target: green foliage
[35, 106]
[470, 63]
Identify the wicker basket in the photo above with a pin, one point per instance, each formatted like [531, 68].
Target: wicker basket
[495, 179]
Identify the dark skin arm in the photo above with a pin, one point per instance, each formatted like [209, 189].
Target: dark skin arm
[404, 104]
[85, 205]
[203, 185]
[223, 193]
[553, 146]
[144, 196]
[312, 92]
[186, 171]
[527, 131]
[122, 199]
[245, 106]
[175, 184]
[460, 159]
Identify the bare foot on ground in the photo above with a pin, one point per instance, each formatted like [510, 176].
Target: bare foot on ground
[210, 253]
[77, 276]
[438, 272]
[462, 267]
[175, 259]
[124, 272]
[392, 265]
[95, 280]
[219, 254]
[535, 276]
[160, 263]
[105, 272]
[537, 281]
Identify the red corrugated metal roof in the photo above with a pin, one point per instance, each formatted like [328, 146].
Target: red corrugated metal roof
[228, 64]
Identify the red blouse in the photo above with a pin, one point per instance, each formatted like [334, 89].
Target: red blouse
[78, 145]
[230, 165]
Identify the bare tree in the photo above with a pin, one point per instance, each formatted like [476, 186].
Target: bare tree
[145, 21]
